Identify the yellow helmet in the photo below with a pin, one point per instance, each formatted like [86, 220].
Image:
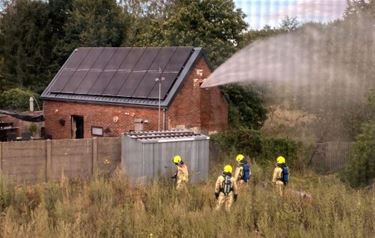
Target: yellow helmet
[240, 157]
[280, 160]
[177, 159]
[228, 169]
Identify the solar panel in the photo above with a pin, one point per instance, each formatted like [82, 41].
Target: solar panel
[115, 84]
[166, 85]
[153, 57]
[101, 83]
[123, 72]
[131, 59]
[146, 85]
[146, 59]
[117, 58]
[90, 59]
[61, 80]
[163, 57]
[74, 81]
[103, 59]
[88, 82]
[83, 68]
[68, 70]
[180, 56]
[170, 79]
[76, 58]
[107, 63]
[131, 84]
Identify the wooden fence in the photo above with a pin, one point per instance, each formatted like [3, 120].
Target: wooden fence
[44, 160]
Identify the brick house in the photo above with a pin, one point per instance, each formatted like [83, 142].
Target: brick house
[107, 91]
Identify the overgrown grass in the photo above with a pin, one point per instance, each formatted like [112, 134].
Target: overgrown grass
[111, 208]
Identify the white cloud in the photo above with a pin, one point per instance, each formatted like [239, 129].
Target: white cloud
[272, 12]
[315, 10]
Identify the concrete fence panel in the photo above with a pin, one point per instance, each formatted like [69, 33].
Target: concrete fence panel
[44, 160]
[108, 154]
[24, 161]
[71, 158]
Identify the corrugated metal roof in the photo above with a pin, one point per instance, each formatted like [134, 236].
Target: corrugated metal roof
[166, 136]
[124, 75]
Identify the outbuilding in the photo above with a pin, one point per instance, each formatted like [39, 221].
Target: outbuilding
[105, 91]
[148, 155]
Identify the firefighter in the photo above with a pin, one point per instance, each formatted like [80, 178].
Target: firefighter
[182, 173]
[225, 189]
[242, 173]
[280, 176]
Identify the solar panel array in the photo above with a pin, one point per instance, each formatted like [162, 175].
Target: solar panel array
[121, 72]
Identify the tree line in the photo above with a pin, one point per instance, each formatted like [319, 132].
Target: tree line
[36, 37]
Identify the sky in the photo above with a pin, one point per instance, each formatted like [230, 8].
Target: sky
[272, 12]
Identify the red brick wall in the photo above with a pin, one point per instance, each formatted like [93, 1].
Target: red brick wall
[218, 110]
[205, 109]
[118, 118]
[193, 107]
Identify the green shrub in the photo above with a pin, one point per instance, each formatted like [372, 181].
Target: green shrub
[16, 99]
[239, 141]
[273, 147]
[246, 109]
[360, 170]
[252, 143]
[33, 128]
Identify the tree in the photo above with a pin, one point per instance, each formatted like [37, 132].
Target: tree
[2, 79]
[214, 25]
[26, 47]
[360, 170]
[289, 24]
[16, 99]
[251, 36]
[358, 7]
[144, 18]
[59, 13]
[29, 36]
[94, 23]
[246, 109]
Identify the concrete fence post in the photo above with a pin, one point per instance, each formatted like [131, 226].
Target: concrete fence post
[94, 156]
[48, 160]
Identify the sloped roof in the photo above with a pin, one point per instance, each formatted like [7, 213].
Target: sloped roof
[124, 75]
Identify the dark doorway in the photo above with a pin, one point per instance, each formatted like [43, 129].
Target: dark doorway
[77, 127]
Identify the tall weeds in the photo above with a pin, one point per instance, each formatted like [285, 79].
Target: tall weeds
[112, 208]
